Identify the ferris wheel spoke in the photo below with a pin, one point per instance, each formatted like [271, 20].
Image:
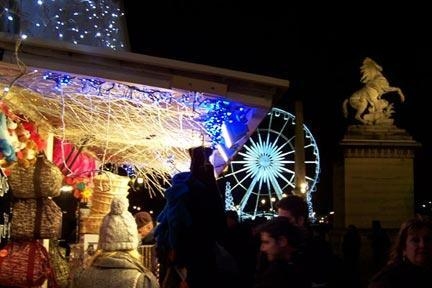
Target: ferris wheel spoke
[309, 178]
[289, 182]
[268, 182]
[241, 181]
[276, 187]
[287, 153]
[260, 145]
[270, 197]
[248, 193]
[281, 176]
[288, 170]
[256, 206]
[281, 131]
[240, 162]
[236, 172]
[272, 147]
[263, 176]
[252, 150]
[287, 161]
[259, 138]
[250, 146]
[279, 157]
[260, 182]
[269, 127]
[247, 154]
[288, 141]
[244, 201]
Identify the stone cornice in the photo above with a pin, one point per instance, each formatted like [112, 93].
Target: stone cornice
[362, 141]
[379, 152]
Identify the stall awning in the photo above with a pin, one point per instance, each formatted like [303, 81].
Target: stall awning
[134, 109]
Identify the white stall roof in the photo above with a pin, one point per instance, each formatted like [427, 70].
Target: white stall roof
[131, 108]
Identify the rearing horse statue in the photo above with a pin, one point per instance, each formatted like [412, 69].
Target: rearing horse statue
[370, 108]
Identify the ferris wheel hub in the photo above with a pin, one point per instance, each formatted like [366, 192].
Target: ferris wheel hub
[264, 161]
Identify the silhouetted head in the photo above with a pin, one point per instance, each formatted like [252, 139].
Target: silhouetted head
[293, 207]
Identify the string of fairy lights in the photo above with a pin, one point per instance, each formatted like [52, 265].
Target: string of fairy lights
[87, 22]
[146, 127]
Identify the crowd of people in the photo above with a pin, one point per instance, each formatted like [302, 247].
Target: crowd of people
[200, 245]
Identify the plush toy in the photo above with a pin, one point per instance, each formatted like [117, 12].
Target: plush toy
[22, 134]
[82, 187]
[12, 136]
[27, 156]
[34, 135]
[6, 148]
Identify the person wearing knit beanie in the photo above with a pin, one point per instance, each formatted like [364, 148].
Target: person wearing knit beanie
[118, 230]
[117, 262]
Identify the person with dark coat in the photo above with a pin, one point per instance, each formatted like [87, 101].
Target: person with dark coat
[280, 242]
[351, 245]
[325, 268]
[240, 243]
[192, 223]
[146, 227]
[380, 244]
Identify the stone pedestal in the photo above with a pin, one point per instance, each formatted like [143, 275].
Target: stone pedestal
[378, 177]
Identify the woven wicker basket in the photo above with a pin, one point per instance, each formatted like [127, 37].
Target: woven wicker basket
[24, 217]
[102, 202]
[91, 224]
[106, 187]
[45, 174]
[110, 182]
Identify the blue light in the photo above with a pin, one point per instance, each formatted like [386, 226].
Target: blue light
[59, 79]
[233, 131]
[212, 112]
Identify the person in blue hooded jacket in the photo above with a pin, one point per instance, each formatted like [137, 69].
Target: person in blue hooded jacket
[192, 222]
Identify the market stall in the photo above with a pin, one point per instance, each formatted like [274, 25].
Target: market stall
[89, 107]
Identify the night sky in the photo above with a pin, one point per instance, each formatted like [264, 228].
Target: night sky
[318, 48]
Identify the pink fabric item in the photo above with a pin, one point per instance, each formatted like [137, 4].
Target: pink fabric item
[77, 164]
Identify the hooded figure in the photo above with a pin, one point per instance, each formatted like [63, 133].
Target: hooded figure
[192, 222]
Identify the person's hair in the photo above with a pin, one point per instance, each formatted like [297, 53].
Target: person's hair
[200, 163]
[202, 169]
[297, 205]
[143, 218]
[282, 227]
[409, 226]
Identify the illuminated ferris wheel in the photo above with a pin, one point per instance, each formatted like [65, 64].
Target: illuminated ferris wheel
[263, 170]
